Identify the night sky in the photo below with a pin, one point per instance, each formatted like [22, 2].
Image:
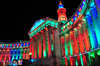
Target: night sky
[18, 16]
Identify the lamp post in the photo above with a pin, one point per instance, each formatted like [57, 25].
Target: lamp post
[30, 55]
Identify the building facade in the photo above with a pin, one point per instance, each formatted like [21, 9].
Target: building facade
[73, 41]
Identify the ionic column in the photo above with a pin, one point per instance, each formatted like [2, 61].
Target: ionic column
[31, 44]
[80, 39]
[87, 44]
[33, 48]
[40, 49]
[23, 53]
[49, 41]
[75, 42]
[62, 42]
[44, 43]
[66, 45]
[95, 24]
[91, 32]
[36, 47]
[71, 43]
[97, 3]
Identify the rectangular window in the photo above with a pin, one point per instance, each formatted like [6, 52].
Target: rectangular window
[11, 52]
[18, 52]
[18, 57]
[8, 52]
[10, 58]
[3, 58]
[7, 58]
[4, 52]
[15, 52]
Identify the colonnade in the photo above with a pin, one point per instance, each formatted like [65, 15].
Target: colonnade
[42, 44]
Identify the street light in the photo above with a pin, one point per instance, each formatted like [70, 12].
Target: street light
[30, 55]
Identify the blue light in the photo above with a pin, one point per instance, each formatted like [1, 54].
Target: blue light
[14, 44]
[17, 44]
[88, 13]
[61, 6]
[33, 60]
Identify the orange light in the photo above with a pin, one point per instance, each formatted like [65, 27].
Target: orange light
[72, 19]
[60, 3]
[79, 9]
[75, 15]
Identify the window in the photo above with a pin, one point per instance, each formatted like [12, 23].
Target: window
[11, 52]
[25, 51]
[4, 52]
[7, 58]
[3, 58]
[18, 57]
[8, 52]
[25, 56]
[10, 58]
[18, 52]
[22, 51]
[15, 52]
[28, 50]
[22, 57]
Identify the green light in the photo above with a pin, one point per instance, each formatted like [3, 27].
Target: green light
[63, 21]
[20, 57]
[93, 54]
[81, 60]
[76, 63]
[98, 53]
[44, 54]
[52, 47]
[30, 53]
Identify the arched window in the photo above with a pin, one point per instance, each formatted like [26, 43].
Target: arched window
[25, 51]
[28, 50]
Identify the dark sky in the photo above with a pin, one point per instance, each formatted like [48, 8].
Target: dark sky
[18, 16]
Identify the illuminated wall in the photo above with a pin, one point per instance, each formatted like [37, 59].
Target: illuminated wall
[10, 51]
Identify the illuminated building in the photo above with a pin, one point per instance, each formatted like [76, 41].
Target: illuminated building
[75, 42]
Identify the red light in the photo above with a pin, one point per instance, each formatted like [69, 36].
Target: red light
[46, 28]
[41, 31]
[62, 40]
[79, 9]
